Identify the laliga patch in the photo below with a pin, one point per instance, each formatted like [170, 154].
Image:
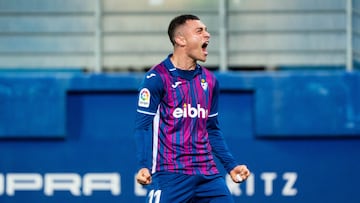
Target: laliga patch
[144, 98]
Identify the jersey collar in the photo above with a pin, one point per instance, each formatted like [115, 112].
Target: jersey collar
[173, 70]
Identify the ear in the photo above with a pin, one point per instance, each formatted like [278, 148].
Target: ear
[180, 40]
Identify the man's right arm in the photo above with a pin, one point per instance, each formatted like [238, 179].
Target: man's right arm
[143, 139]
[150, 94]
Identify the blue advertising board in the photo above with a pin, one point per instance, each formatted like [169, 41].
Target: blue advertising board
[68, 137]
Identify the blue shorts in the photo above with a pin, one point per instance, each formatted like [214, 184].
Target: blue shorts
[181, 188]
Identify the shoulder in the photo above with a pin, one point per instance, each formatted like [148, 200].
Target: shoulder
[154, 78]
[158, 71]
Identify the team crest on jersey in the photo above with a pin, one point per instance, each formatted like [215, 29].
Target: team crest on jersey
[144, 98]
[204, 84]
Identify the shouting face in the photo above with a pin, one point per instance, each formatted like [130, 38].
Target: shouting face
[194, 38]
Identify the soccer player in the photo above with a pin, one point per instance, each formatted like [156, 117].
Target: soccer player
[177, 131]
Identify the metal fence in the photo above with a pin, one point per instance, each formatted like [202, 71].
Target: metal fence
[131, 35]
[354, 33]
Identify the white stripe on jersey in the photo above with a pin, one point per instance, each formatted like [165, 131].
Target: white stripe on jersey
[146, 112]
[156, 123]
[213, 115]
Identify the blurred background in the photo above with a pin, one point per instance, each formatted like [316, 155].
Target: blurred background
[289, 105]
[113, 35]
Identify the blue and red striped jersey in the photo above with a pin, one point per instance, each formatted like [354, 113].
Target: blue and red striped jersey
[174, 108]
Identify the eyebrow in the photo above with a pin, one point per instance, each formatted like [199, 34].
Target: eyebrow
[201, 28]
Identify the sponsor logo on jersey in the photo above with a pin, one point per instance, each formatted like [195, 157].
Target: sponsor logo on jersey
[191, 112]
[176, 84]
[151, 75]
[144, 98]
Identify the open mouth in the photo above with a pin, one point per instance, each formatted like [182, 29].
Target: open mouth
[204, 45]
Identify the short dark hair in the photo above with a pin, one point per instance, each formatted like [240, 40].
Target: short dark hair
[176, 22]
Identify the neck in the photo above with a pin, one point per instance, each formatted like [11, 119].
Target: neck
[183, 63]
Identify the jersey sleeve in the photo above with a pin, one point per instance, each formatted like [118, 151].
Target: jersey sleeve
[150, 93]
[217, 141]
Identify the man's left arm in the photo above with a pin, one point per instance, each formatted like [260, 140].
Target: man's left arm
[216, 138]
[238, 173]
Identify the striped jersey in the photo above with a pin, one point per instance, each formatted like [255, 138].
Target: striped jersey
[179, 103]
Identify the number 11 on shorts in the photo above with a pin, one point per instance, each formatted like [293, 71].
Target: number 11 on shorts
[154, 196]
